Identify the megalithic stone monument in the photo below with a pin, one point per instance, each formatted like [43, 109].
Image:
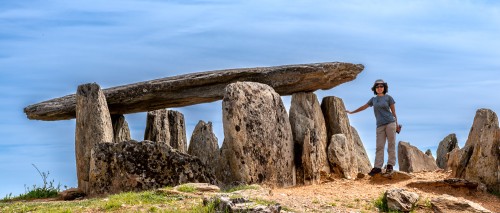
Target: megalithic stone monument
[202, 87]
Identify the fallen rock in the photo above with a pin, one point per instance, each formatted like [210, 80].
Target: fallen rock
[138, 166]
[449, 143]
[446, 203]
[411, 159]
[93, 126]
[226, 204]
[393, 176]
[258, 144]
[72, 194]
[306, 117]
[204, 145]
[400, 199]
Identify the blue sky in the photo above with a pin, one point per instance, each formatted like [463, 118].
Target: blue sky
[440, 58]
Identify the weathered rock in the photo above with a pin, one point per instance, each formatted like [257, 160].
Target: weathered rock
[337, 122]
[137, 166]
[157, 127]
[71, 194]
[306, 115]
[364, 165]
[480, 157]
[449, 143]
[428, 152]
[411, 159]
[203, 144]
[177, 127]
[93, 125]
[400, 199]
[450, 183]
[394, 176]
[227, 204]
[339, 157]
[310, 157]
[446, 203]
[202, 87]
[121, 132]
[453, 160]
[258, 144]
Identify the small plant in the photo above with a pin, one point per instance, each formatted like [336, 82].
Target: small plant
[186, 188]
[381, 203]
[48, 190]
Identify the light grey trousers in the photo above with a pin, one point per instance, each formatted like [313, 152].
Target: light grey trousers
[386, 133]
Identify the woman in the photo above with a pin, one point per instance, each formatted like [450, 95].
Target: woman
[387, 122]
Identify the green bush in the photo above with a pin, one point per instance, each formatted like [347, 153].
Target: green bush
[48, 190]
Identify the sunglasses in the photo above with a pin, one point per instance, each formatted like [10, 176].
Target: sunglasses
[379, 86]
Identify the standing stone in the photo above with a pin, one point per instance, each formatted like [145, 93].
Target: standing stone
[411, 159]
[258, 144]
[310, 158]
[93, 126]
[480, 160]
[449, 143]
[339, 157]
[364, 165]
[453, 160]
[337, 122]
[177, 129]
[305, 114]
[203, 144]
[157, 126]
[121, 132]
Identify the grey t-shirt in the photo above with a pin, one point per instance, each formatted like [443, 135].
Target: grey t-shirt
[381, 108]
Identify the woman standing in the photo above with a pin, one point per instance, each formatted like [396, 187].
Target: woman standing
[387, 122]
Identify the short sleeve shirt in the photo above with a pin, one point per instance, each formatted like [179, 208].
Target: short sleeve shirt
[381, 108]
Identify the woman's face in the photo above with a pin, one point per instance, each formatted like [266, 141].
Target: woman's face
[379, 88]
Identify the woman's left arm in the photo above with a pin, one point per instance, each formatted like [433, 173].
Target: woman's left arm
[393, 110]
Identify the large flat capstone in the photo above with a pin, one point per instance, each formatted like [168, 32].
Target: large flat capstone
[202, 87]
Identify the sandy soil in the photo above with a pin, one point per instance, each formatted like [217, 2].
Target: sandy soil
[341, 195]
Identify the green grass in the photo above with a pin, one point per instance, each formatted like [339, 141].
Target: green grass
[186, 188]
[48, 190]
[241, 187]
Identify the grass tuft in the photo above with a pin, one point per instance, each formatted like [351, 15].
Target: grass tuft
[241, 187]
[186, 188]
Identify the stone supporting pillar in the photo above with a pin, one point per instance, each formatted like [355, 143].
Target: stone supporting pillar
[157, 126]
[177, 127]
[121, 132]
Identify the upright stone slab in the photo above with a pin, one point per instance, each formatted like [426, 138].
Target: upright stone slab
[411, 159]
[306, 115]
[337, 122]
[203, 144]
[121, 132]
[93, 126]
[339, 156]
[177, 128]
[449, 143]
[157, 126]
[258, 145]
[480, 158]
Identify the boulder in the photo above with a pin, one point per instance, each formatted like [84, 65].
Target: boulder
[202, 87]
[339, 157]
[138, 166]
[446, 203]
[306, 115]
[337, 122]
[480, 157]
[93, 126]
[449, 143]
[203, 144]
[177, 127]
[411, 159]
[71, 194]
[258, 144]
[121, 132]
[400, 199]
[157, 126]
[453, 160]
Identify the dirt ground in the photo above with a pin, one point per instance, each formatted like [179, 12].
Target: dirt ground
[342, 195]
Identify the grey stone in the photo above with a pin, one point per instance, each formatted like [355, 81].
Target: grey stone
[138, 166]
[227, 204]
[121, 132]
[202, 87]
[446, 203]
[449, 143]
[400, 199]
[177, 127]
[72, 194]
[203, 144]
[411, 159]
[339, 156]
[306, 115]
[364, 165]
[258, 145]
[157, 126]
[93, 126]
